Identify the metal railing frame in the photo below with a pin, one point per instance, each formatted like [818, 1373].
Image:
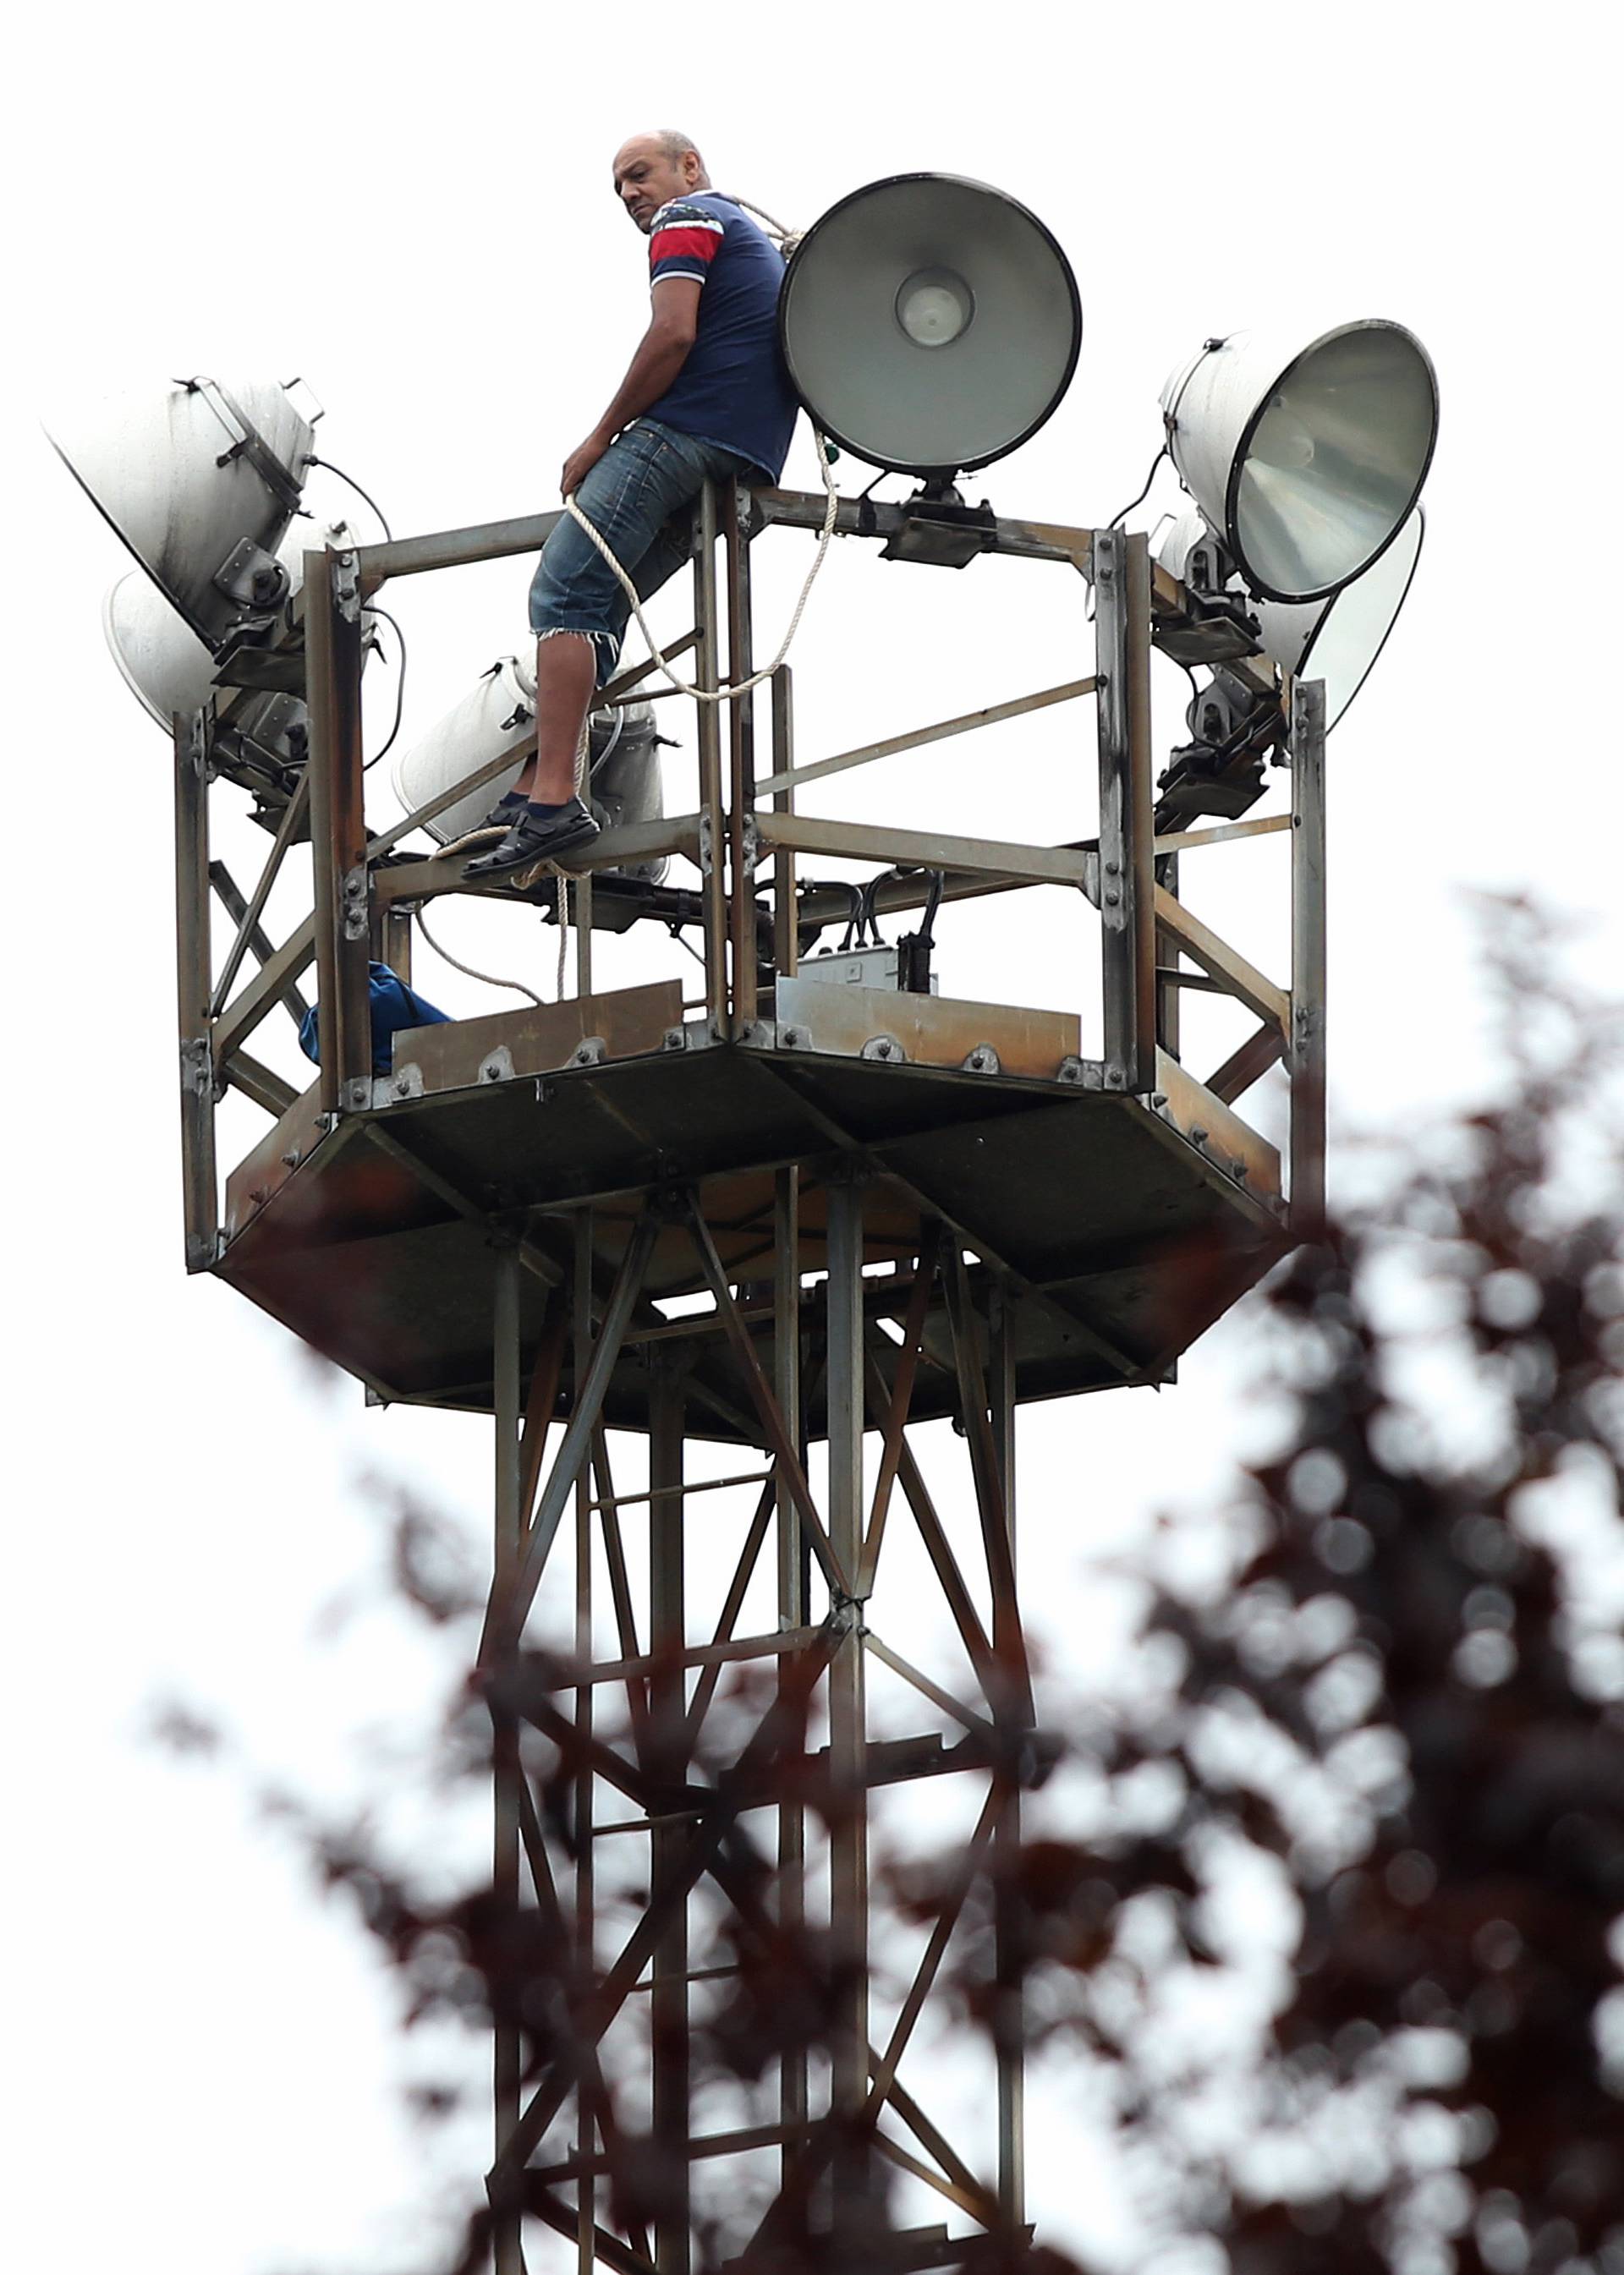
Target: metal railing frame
[746, 829]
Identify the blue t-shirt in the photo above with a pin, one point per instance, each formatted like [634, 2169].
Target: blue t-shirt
[733, 391]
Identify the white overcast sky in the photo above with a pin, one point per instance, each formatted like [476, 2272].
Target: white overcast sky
[412, 210]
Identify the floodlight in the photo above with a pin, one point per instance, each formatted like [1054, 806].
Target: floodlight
[168, 669]
[498, 713]
[165, 665]
[200, 481]
[929, 323]
[1336, 640]
[1307, 460]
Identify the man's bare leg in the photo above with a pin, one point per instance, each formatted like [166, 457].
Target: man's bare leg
[566, 679]
[543, 823]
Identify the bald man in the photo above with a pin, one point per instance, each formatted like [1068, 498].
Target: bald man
[706, 395]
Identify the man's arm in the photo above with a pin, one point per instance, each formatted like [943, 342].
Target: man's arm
[662, 354]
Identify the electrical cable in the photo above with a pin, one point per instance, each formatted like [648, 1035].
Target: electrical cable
[1145, 493]
[383, 517]
[400, 689]
[468, 971]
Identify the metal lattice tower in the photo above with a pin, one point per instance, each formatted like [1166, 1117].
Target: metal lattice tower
[811, 1216]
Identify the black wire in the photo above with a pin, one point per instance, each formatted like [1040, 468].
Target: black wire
[400, 685]
[1143, 494]
[932, 901]
[383, 518]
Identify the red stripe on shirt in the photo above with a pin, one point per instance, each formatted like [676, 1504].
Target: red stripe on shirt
[697, 245]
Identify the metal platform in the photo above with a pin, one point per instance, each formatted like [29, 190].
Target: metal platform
[1123, 1227]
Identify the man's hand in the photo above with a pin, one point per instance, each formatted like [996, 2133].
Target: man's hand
[581, 461]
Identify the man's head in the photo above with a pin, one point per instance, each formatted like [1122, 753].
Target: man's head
[652, 169]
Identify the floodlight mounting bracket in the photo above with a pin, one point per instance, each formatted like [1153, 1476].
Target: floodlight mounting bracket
[248, 442]
[1218, 626]
[1219, 773]
[253, 577]
[1200, 782]
[940, 529]
[243, 657]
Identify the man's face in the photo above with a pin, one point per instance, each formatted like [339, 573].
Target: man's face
[645, 178]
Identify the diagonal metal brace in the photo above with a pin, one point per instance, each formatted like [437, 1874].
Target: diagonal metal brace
[504, 1622]
[781, 1444]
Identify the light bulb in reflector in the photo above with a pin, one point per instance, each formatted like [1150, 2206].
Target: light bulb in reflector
[933, 306]
[1282, 439]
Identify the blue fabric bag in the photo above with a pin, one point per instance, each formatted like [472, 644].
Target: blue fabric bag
[394, 1006]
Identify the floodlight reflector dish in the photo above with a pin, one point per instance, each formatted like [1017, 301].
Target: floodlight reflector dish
[935, 263]
[1339, 640]
[1308, 461]
[165, 665]
[200, 480]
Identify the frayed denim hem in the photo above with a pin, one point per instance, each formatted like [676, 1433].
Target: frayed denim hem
[605, 644]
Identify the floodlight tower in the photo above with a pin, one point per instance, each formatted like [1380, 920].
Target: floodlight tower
[812, 1210]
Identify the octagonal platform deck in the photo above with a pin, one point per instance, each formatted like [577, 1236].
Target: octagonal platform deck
[1121, 1227]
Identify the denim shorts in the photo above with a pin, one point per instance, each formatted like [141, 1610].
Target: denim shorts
[640, 496]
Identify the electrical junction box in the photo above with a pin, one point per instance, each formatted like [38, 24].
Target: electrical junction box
[858, 967]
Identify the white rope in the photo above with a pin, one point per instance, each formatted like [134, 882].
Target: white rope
[788, 238]
[468, 971]
[583, 753]
[656, 656]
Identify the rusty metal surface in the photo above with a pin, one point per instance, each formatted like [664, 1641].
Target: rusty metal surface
[289, 1141]
[1127, 1234]
[1126, 881]
[1201, 1116]
[864, 841]
[1031, 540]
[1225, 964]
[539, 1039]
[1306, 1055]
[199, 1180]
[989, 715]
[938, 1031]
[419, 878]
